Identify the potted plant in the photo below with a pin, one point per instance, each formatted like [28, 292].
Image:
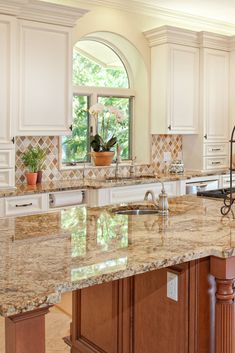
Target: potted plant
[41, 155]
[34, 159]
[29, 159]
[103, 141]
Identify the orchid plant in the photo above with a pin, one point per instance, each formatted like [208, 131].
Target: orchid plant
[103, 141]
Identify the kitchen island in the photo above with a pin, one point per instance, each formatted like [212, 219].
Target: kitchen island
[81, 249]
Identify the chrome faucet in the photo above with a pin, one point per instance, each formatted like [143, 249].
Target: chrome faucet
[150, 192]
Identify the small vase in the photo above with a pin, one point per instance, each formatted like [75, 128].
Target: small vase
[39, 178]
[102, 158]
[31, 178]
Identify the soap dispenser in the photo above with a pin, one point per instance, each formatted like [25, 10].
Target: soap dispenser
[163, 202]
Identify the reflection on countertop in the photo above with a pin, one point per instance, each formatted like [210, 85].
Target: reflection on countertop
[46, 254]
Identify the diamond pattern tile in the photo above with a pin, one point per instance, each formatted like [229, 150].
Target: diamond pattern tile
[160, 144]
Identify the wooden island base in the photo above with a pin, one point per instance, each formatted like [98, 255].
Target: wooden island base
[25, 333]
[134, 315]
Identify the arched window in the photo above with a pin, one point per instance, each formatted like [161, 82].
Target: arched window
[99, 76]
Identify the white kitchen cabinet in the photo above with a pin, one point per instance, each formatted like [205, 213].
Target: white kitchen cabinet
[8, 102]
[174, 85]
[214, 94]
[208, 151]
[45, 79]
[23, 205]
[132, 193]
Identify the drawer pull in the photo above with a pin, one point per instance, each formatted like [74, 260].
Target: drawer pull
[25, 204]
[213, 163]
[216, 149]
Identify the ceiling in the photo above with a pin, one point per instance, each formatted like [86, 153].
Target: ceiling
[219, 14]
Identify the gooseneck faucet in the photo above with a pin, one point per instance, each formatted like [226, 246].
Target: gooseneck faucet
[150, 192]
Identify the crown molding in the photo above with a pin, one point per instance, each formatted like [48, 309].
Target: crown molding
[176, 18]
[174, 35]
[40, 11]
[214, 41]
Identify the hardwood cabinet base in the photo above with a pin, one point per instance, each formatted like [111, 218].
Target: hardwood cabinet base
[25, 333]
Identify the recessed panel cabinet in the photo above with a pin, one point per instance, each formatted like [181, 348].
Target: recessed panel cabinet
[174, 89]
[8, 101]
[45, 79]
[214, 94]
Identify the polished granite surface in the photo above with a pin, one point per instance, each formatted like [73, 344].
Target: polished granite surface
[63, 185]
[46, 254]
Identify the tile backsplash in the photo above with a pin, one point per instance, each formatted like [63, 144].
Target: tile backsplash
[160, 144]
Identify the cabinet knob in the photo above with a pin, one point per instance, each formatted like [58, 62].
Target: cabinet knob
[169, 127]
[13, 140]
[205, 136]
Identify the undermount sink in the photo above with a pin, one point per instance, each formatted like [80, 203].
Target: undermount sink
[140, 177]
[135, 210]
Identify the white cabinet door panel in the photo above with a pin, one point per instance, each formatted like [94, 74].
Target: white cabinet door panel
[45, 79]
[215, 95]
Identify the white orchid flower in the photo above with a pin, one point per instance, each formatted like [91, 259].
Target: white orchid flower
[115, 111]
[95, 109]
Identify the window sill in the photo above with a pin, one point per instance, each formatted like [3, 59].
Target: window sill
[90, 166]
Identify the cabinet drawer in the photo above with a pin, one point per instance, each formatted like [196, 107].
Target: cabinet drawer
[213, 163]
[6, 158]
[23, 205]
[7, 178]
[215, 149]
[225, 181]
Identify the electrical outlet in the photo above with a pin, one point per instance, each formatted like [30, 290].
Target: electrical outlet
[172, 286]
[167, 156]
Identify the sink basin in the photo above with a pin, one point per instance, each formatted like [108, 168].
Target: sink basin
[140, 177]
[135, 210]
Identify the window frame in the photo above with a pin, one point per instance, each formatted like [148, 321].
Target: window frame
[93, 93]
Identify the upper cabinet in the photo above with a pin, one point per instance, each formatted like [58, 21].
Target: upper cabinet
[45, 79]
[7, 79]
[7, 99]
[214, 94]
[174, 84]
[43, 59]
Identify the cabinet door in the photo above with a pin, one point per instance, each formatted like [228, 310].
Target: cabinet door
[102, 319]
[45, 79]
[215, 83]
[184, 87]
[7, 77]
[160, 323]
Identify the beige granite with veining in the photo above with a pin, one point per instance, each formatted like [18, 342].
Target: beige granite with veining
[65, 185]
[46, 254]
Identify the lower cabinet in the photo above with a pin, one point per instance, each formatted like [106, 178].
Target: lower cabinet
[134, 315]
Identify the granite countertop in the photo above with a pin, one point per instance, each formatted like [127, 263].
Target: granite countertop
[64, 185]
[46, 254]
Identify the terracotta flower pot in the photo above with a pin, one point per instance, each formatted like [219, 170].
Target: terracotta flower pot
[39, 178]
[31, 178]
[102, 158]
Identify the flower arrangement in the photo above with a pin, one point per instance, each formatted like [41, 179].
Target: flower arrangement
[104, 141]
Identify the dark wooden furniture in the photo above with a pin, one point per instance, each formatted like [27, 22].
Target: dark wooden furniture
[134, 315]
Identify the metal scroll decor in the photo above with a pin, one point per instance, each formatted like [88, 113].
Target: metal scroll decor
[229, 199]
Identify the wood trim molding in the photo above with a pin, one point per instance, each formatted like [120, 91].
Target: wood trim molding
[25, 332]
[224, 272]
[35, 10]
[174, 35]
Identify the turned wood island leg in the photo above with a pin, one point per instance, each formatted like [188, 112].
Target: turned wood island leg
[25, 333]
[224, 272]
